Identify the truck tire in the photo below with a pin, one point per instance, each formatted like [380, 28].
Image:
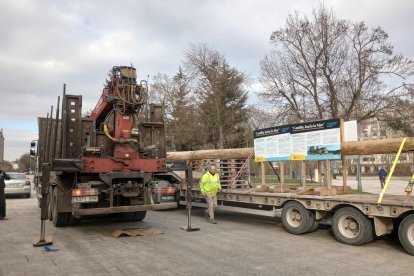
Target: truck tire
[352, 227]
[296, 219]
[125, 217]
[140, 215]
[406, 234]
[73, 221]
[58, 219]
[133, 216]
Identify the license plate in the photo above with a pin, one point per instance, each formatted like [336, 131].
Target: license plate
[84, 199]
[167, 198]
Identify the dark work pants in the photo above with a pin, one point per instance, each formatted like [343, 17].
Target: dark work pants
[2, 204]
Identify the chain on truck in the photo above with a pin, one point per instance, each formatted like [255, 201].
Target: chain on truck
[109, 162]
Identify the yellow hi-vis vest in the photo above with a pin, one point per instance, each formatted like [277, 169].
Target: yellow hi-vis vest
[210, 184]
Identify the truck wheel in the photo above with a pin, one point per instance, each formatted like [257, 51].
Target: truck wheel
[140, 215]
[406, 234]
[352, 227]
[59, 219]
[125, 217]
[296, 219]
[73, 221]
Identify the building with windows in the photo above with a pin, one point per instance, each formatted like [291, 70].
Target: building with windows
[370, 164]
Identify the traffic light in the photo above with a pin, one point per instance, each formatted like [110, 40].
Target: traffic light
[33, 148]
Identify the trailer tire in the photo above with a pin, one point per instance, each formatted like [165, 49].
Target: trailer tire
[314, 226]
[352, 227]
[59, 219]
[296, 219]
[406, 234]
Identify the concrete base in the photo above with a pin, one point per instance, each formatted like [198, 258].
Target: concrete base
[190, 229]
[38, 242]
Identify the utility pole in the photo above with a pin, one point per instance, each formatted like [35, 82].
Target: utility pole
[358, 173]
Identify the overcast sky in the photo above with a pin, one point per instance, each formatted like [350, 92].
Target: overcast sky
[44, 44]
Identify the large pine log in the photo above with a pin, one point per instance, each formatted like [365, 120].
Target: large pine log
[242, 153]
[376, 146]
[349, 148]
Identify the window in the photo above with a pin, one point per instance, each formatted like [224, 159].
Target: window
[16, 176]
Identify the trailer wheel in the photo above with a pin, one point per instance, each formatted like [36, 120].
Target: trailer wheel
[314, 226]
[59, 219]
[352, 227]
[296, 219]
[406, 234]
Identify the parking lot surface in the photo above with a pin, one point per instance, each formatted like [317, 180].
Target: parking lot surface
[240, 244]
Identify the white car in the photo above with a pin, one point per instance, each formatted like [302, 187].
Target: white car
[18, 184]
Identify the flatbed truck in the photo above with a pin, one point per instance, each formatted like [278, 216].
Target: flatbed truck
[111, 161]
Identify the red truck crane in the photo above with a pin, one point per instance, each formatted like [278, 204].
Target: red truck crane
[109, 162]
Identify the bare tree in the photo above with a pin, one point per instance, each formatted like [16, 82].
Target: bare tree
[324, 67]
[260, 118]
[400, 115]
[6, 166]
[24, 162]
[161, 90]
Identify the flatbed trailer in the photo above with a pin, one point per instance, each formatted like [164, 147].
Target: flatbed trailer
[356, 218]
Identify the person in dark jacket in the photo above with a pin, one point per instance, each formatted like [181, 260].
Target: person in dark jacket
[3, 176]
[382, 176]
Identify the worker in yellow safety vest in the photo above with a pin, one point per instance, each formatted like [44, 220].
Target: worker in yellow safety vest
[210, 185]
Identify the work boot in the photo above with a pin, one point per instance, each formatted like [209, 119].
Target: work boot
[213, 221]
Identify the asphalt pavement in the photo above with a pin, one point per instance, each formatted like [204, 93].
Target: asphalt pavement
[240, 244]
[371, 184]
